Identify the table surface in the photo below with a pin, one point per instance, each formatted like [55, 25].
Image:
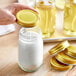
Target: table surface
[9, 56]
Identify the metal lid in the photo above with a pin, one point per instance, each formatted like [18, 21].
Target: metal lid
[27, 18]
[62, 57]
[59, 47]
[58, 66]
[71, 51]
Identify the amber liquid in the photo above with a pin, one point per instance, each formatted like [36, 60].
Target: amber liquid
[70, 19]
[47, 19]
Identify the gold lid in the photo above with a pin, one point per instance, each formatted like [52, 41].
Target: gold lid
[58, 66]
[71, 51]
[59, 47]
[27, 18]
[62, 57]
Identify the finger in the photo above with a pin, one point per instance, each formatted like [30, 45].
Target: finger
[14, 8]
[6, 17]
[10, 16]
[24, 6]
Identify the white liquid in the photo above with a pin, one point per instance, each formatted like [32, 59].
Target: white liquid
[31, 51]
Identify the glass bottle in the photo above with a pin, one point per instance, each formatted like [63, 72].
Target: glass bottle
[47, 14]
[70, 18]
[30, 49]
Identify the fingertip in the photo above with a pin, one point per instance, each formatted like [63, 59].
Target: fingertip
[13, 18]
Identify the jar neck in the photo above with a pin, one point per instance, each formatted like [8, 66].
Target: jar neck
[29, 34]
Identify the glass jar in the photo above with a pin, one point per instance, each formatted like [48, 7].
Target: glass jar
[30, 49]
[70, 18]
[47, 14]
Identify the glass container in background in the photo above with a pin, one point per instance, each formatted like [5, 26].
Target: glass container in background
[70, 18]
[47, 14]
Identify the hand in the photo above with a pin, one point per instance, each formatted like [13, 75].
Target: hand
[7, 15]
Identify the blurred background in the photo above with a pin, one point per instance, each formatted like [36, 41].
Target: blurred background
[4, 3]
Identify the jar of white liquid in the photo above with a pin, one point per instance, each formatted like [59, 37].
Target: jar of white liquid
[30, 41]
[30, 49]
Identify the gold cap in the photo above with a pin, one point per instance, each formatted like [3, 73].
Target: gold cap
[27, 18]
[59, 47]
[58, 66]
[62, 57]
[71, 51]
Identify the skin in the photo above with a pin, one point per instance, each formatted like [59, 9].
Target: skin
[7, 15]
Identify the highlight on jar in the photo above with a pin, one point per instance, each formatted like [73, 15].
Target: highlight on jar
[70, 18]
[47, 17]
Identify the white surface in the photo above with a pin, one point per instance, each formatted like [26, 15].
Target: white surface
[5, 29]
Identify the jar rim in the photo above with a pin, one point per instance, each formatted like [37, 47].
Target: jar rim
[29, 35]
